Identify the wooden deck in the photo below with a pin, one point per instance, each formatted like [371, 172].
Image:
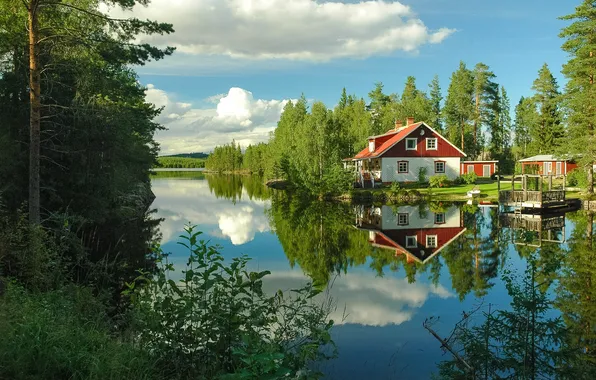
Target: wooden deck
[532, 199]
[532, 222]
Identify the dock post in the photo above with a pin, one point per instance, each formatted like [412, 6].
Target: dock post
[550, 183]
[498, 183]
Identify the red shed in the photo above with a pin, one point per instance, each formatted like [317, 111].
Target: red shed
[546, 164]
[481, 168]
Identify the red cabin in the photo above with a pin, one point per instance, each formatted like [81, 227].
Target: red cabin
[547, 164]
[481, 168]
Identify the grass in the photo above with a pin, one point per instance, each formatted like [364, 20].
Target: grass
[488, 191]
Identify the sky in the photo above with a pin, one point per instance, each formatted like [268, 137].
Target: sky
[238, 62]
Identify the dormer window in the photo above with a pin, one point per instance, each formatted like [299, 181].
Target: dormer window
[371, 145]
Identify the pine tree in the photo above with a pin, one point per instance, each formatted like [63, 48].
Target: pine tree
[500, 128]
[459, 107]
[435, 119]
[485, 100]
[580, 97]
[525, 118]
[548, 132]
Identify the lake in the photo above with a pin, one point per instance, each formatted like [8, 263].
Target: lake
[387, 268]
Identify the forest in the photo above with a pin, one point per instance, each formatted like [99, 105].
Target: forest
[85, 289]
[475, 113]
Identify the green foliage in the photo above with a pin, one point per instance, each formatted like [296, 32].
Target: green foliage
[580, 94]
[469, 178]
[547, 133]
[439, 180]
[180, 162]
[63, 334]
[395, 189]
[225, 158]
[217, 322]
[459, 106]
[422, 179]
[255, 158]
[577, 177]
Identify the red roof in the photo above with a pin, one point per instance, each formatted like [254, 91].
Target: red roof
[387, 141]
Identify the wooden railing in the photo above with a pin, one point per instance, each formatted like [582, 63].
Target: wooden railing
[531, 196]
[537, 224]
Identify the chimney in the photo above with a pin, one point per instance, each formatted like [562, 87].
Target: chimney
[410, 121]
[398, 125]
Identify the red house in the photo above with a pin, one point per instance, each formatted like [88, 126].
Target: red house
[400, 153]
[406, 232]
[547, 164]
[481, 168]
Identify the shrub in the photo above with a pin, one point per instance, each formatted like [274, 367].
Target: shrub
[577, 178]
[63, 334]
[217, 321]
[440, 180]
[469, 178]
[395, 189]
[422, 175]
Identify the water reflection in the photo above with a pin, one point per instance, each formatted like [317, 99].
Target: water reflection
[388, 267]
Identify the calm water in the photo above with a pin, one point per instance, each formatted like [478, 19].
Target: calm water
[390, 267]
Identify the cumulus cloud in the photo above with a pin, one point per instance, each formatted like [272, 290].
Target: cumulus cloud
[183, 201]
[288, 29]
[368, 300]
[236, 115]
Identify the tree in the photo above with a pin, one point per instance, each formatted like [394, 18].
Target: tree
[380, 108]
[115, 33]
[548, 132]
[500, 130]
[486, 92]
[414, 103]
[435, 119]
[580, 96]
[459, 106]
[525, 119]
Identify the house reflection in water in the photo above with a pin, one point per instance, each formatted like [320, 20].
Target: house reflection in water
[413, 231]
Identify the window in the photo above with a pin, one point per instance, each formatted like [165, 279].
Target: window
[411, 241]
[440, 218]
[411, 143]
[431, 241]
[470, 169]
[439, 166]
[548, 167]
[403, 218]
[402, 166]
[431, 144]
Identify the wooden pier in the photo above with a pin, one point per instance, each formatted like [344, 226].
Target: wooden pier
[532, 191]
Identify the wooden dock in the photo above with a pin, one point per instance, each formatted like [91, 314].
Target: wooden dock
[528, 191]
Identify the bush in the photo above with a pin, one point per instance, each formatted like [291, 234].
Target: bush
[422, 175]
[469, 178]
[440, 180]
[217, 321]
[62, 334]
[395, 189]
[577, 178]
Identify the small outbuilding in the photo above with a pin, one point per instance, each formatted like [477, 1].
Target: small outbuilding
[481, 168]
[547, 164]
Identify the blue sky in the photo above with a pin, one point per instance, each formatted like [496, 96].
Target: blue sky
[274, 50]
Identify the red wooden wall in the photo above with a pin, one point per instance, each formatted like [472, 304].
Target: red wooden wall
[478, 167]
[444, 149]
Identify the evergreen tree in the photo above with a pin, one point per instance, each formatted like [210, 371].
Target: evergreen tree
[459, 106]
[380, 107]
[414, 103]
[580, 97]
[500, 130]
[486, 92]
[547, 134]
[525, 119]
[435, 118]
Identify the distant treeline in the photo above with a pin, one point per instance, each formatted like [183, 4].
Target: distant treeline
[189, 155]
[180, 162]
[229, 158]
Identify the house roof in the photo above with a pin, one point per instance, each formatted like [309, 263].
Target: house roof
[545, 157]
[477, 162]
[392, 137]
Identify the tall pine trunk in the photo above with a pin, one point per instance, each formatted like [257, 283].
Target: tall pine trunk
[35, 111]
[476, 123]
[591, 133]
[462, 134]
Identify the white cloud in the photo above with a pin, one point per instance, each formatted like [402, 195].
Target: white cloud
[288, 29]
[368, 300]
[237, 115]
[183, 201]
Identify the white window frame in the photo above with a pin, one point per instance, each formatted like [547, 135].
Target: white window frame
[436, 215]
[435, 140]
[407, 167]
[440, 162]
[559, 168]
[407, 218]
[484, 167]
[408, 241]
[436, 241]
[408, 139]
[468, 169]
[548, 165]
